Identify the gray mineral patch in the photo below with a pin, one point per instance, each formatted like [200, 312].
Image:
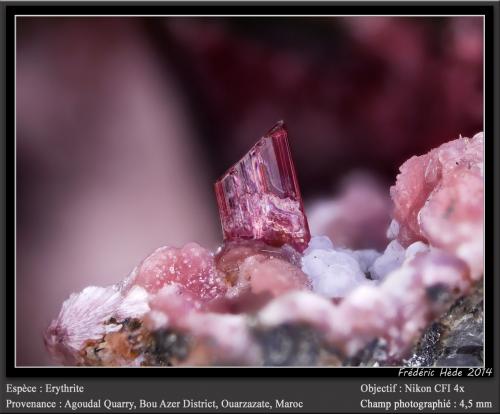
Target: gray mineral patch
[289, 345]
[456, 339]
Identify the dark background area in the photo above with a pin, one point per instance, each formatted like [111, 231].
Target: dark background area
[123, 124]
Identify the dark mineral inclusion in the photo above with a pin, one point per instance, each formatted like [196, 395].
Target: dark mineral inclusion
[456, 339]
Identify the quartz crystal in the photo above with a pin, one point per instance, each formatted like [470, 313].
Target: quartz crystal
[259, 196]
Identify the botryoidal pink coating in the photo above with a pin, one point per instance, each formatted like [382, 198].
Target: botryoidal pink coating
[191, 267]
[438, 198]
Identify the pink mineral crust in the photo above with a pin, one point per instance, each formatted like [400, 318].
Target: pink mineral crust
[169, 307]
[231, 255]
[397, 311]
[438, 198]
[259, 197]
[273, 275]
[191, 267]
[256, 272]
[227, 338]
[223, 337]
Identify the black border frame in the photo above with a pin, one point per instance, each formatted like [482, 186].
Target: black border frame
[487, 9]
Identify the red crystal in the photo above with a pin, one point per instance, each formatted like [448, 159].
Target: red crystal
[259, 197]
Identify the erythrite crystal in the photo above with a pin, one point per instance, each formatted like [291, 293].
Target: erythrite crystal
[259, 197]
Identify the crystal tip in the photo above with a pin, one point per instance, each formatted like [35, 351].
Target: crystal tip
[278, 129]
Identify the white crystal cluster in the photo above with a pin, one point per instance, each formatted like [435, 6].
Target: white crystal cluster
[335, 271]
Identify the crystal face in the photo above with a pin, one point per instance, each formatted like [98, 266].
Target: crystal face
[259, 196]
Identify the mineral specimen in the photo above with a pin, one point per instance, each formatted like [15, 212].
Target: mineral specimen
[88, 317]
[334, 273]
[455, 339]
[192, 268]
[259, 197]
[397, 310]
[439, 198]
[271, 295]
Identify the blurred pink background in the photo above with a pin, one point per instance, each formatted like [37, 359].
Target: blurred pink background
[123, 124]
